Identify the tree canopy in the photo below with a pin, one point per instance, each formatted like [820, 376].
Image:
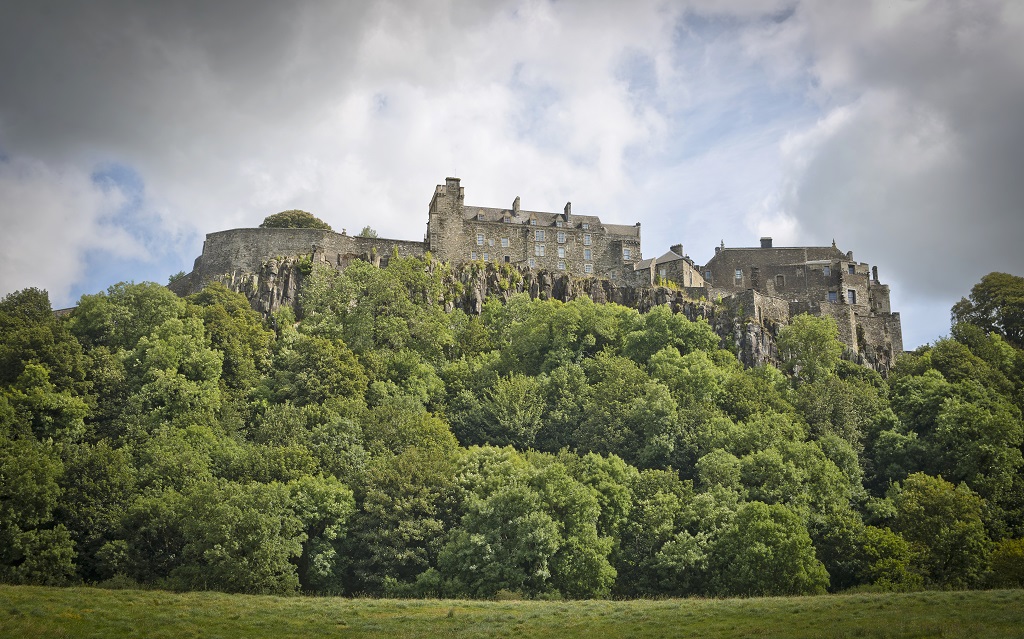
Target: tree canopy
[378, 444]
[294, 219]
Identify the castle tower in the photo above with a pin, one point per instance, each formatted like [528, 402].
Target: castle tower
[445, 220]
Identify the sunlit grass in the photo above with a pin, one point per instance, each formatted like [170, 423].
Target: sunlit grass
[91, 612]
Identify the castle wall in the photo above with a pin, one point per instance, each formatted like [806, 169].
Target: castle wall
[880, 338]
[229, 253]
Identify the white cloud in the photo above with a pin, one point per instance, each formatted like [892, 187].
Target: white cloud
[896, 132]
[52, 219]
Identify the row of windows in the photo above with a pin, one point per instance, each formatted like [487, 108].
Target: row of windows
[539, 236]
[851, 296]
[508, 220]
[538, 249]
[779, 279]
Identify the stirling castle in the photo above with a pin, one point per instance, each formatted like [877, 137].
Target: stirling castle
[748, 292]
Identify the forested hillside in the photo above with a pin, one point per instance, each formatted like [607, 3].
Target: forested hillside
[379, 445]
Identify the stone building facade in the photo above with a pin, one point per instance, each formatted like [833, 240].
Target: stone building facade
[782, 282]
[579, 245]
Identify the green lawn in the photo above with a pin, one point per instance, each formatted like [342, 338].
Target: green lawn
[90, 612]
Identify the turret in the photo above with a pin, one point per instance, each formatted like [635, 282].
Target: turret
[444, 220]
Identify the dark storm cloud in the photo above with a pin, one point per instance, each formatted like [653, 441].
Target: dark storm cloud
[893, 127]
[917, 165]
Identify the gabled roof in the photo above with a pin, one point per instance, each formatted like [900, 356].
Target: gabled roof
[669, 256]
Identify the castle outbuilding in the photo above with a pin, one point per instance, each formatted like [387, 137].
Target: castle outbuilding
[782, 282]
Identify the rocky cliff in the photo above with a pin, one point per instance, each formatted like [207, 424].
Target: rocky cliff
[276, 283]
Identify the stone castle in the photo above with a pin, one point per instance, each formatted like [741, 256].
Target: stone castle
[763, 286]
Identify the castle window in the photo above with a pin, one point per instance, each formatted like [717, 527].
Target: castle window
[490, 242]
[558, 223]
[739, 275]
[504, 242]
[479, 239]
[586, 239]
[780, 281]
[533, 222]
[849, 269]
[561, 251]
[532, 262]
[561, 265]
[480, 216]
[586, 254]
[538, 250]
[588, 268]
[561, 237]
[851, 296]
[538, 235]
[827, 271]
[508, 219]
[586, 226]
[707, 275]
[486, 257]
[507, 259]
[833, 296]
[627, 254]
[472, 255]
[663, 273]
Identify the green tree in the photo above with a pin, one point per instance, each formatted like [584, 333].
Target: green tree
[661, 328]
[98, 485]
[238, 332]
[34, 548]
[810, 347]
[310, 370]
[766, 551]
[856, 554]
[217, 535]
[123, 314]
[403, 512]
[510, 413]
[626, 413]
[996, 305]
[367, 232]
[943, 523]
[31, 334]
[324, 506]
[175, 376]
[294, 219]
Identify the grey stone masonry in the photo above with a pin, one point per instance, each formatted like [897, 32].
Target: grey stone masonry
[819, 280]
[578, 245]
[764, 285]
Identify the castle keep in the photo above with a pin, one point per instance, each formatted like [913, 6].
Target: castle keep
[762, 285]
[579, 245]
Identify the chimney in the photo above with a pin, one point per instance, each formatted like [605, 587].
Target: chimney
[568, 211]
[874, 273]
[677, 249]
[766, 242]
[515, 206]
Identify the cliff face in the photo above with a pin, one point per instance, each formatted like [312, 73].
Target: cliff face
[277, 283]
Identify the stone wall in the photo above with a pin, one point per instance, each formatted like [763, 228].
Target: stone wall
[240, 253]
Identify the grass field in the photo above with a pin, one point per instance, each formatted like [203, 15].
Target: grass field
[91, 612]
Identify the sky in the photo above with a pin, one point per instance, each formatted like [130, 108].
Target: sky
[129, 130]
